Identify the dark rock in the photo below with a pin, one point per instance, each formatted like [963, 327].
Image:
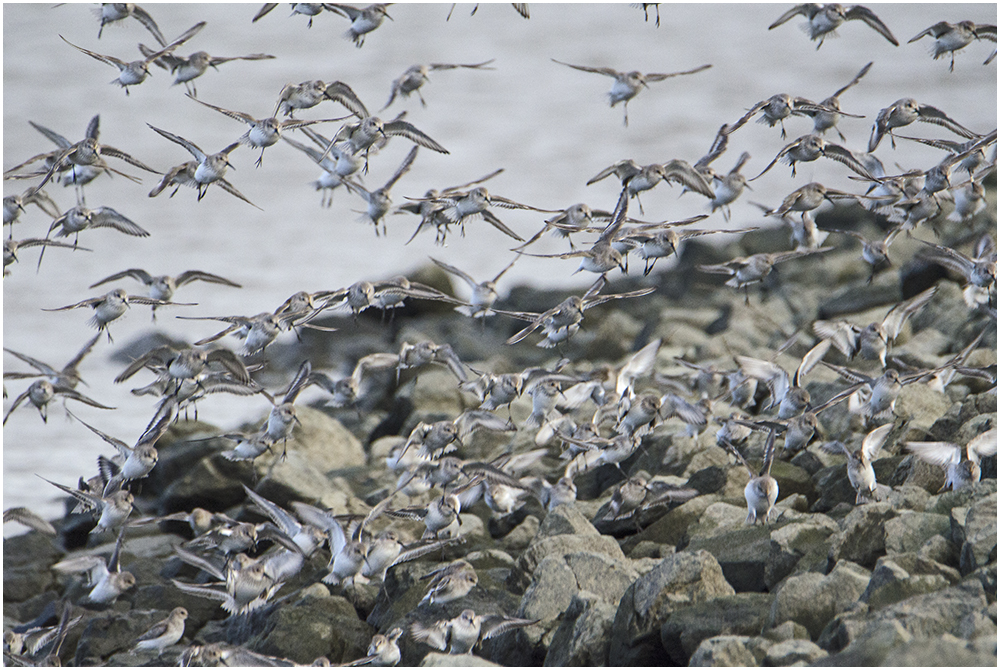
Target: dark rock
[584, 632]
[678, 581]
[980, 546]
[908, 531]
[740, 614]
[812, 599]
[862, 536]
[750, 559]
[905, 575]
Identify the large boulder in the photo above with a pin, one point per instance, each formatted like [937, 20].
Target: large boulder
[813, 599]
[740, 614]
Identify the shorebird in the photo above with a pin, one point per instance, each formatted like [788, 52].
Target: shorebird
[484, 293]
[112, 12]
[788, 394]
[243, 584]
[163, 634]
[859, 461]
[189, 68]
[361, 136]
[311, 93]
[79, 218]
[13, 205]
[628, 84]
[726, 189]
[461, 634]
[450, 583]
[980, 271]
[111, 510]
[824, 121]
[130, 463]
[210, 168]
[959, 471]
[811, 147]
[10, 248]
[113, 305]
[416, 76]
[779, 107]
[106, 576]
[952, 37]
[379, 202]
[162, 287]
[761, 491]
[905, 111]
[67, 377]
[41, 392]
[872, 342]
[363, 20]
[135, 72]
[825, 19]
[874, 252]
[748, 270]
[336, 163]
[309, 9]
[383, 650]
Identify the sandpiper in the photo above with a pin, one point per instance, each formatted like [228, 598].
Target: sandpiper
[108, 580]
[825, 19]
[190, 68]
[859, 461]
[112, 12]
[905, 111]
[363, 20]
[111, 306]
[162, 287]
[959, 471]
[761, 491]
[416, 76]
[163, 634]
[952, 37]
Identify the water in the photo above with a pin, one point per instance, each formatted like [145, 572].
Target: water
[550, 127]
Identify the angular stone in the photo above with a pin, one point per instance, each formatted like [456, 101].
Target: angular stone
[750, 559]
[584, 633]
[794, 652]
[910, 530]
[980, 546]
[813, 600]
[740, 614]
[725, 651]
[862, 536]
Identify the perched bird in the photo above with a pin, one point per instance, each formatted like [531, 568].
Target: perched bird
[959, 471]
[105, 575]
[628, 84]
[164, 634]
[859, 461]
[825, 19]
[761, 491]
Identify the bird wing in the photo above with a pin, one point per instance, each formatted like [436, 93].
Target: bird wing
[937, 453]
[610, 72]
[145, 19]
[874, 440]
[808, 10]
[340, 92]
[110, 60]
[410, 132]
[653, 76]
[190, 146]
[897, 316]
[859, 12]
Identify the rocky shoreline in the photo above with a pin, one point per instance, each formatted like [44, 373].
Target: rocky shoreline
[907, 580]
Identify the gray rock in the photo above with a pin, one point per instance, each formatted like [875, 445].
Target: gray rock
[980, 534]
[740, 614]
[102, 636]
[907, 496]
[672, 528]
[436, 659]
[566, 520]
[584, 633]
[794, 652]
[679, 581]
[808, 538]
[315, 624]
[910, 530]
[787, 631]
[905, 575]
[965, 496]
[750, 559]
[813, 600]
[724, 651]
[947, 651]
[862, 535]
[868, 637]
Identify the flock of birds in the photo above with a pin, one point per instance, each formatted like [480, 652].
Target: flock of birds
[595, 418]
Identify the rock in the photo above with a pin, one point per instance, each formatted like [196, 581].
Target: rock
[792, 479]
[868, 638]
[724, 651]
[566, 520]
[750, 559]
[862, 535]
[980, 534]
[793, 652]
[905, 575]
[678, 581]
[947, 651]
[740, 614]
[436, 659]
[909, 497]
[787, 631]
[944, 502]
[812, 599]
[315, 624]
[584, 633]
[808, 539]
[908, 531]
[105, 635]
[672, 528]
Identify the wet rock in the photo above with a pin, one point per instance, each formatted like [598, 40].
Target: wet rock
[740, 614]
[680, 580]
[812, 599]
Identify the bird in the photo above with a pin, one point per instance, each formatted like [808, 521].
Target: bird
[309, 9]
[959, 472]
[11, 247]
[310, 93]
[449, 583]
[859, 461]
[189, 68]
[383, 650]
[981, 272]
[361, 136]
[162, 287]
[810, 148]
[363, 19]
[112, 12]
[761, 491]
[872, 341]
[135, 72]
[79, 218]
[13, 205]
[461, 634]
[131, 463]
[29, 519]
[952, 37]
[416, 76]
[788, 394]
[112, 509]
[67, 377]
[113, 305]
[874, 252]
[163, 634]
[484, 294]
[209, 168]
[107, 579]
[628, 84]
[825, 19]
[263, 133]
[823, 120]
[243, 584]
[779, 107]
[379, 202]
[905, 111]
[747, 270]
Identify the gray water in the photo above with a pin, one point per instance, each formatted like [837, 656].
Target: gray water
[550, 127]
